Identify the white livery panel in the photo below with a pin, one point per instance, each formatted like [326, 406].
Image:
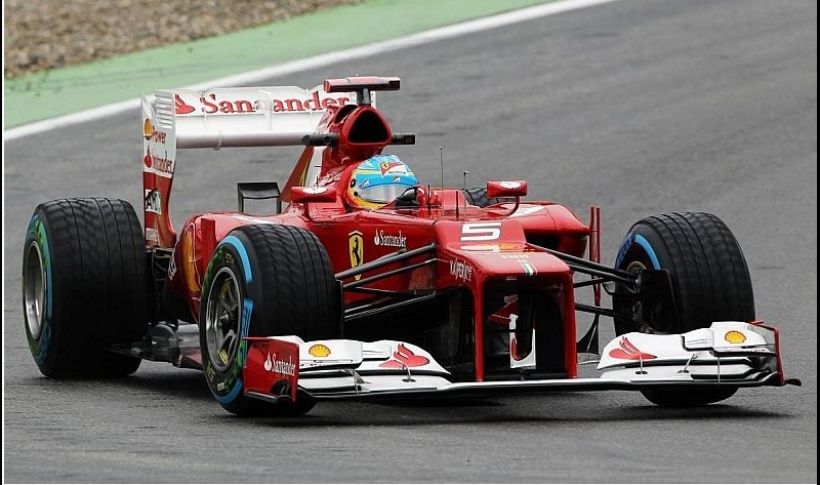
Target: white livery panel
[732, 354]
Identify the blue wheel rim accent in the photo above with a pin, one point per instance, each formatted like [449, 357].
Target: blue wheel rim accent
[247, 309]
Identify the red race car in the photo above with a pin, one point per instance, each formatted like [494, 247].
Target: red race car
[372, 285]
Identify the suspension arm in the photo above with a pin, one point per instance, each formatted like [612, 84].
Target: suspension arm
[400, 255]
[591, 268]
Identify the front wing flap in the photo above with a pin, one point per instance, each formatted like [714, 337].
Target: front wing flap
[731, 354]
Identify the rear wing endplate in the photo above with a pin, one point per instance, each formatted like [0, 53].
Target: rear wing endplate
[217, 118]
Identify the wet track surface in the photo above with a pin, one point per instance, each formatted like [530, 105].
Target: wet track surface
[641, 106]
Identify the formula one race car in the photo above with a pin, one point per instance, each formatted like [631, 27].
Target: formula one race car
[371, 285]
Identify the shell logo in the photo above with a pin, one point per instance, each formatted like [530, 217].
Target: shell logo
[734, 337]
[319, 350]
[147, 129]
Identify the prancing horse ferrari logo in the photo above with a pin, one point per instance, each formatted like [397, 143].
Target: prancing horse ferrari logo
[356, 244]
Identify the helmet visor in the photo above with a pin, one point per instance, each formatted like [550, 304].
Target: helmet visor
[384, 193]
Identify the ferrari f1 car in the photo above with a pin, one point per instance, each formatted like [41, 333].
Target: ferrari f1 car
[424, 293]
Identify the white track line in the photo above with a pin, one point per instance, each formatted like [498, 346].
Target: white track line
[321, 60]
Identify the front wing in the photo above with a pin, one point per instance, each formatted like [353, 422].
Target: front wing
[728, 354]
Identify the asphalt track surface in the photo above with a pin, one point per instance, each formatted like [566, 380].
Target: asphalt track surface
[640, 106]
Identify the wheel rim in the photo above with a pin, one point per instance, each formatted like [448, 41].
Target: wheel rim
[223, 315]
[34, 290]
[635, 267]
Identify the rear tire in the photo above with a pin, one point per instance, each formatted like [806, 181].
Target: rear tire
[710, 281]
[273, 280]
[83, 287]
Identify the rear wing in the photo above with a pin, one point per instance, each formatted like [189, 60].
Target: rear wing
[237, 117]
[219, 118]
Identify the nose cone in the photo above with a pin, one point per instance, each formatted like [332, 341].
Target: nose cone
[492, 248]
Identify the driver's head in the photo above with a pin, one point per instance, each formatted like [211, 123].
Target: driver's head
[378, 181]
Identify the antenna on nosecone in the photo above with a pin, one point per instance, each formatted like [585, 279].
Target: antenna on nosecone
[464, 190]
[441, 157]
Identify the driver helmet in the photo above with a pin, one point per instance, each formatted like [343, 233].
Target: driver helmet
[378, 181]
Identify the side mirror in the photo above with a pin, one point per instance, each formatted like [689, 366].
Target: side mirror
[304, 195]
[506, 188]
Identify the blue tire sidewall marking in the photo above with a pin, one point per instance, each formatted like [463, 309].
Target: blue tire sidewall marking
[247, 309]
[641, 241]
[37, 232]
[243, 255]
[628, 240]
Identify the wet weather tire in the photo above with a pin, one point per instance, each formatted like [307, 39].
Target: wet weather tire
[710, 282]
[710, 278]
[263, 280]
[684, 398]
[83, 286]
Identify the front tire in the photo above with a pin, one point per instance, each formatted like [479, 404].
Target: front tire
[687, 398]
[83, 287]
[710, 282]
[263, 280]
